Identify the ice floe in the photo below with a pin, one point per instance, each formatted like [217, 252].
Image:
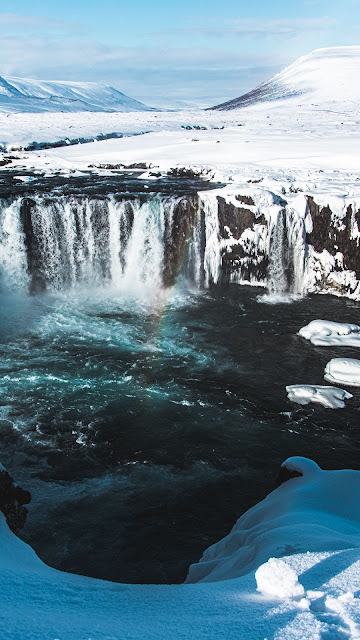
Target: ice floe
[343, 371]
[329, 397]
[328, 333]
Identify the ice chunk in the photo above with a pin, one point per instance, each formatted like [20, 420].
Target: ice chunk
[343, 371]
[329, 397]
[324, 333]
[276, 578]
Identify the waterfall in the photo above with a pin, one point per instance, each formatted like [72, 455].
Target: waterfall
[212, 257]
[59, 243]
[50, 243]
[277, 278]
[13, 261]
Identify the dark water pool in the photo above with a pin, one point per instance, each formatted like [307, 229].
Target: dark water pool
[145, 427]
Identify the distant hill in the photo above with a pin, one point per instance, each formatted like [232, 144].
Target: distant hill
[36, 96]
[323, 76]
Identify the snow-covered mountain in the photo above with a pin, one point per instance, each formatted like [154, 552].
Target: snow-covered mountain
[36, 96]
[323, 76]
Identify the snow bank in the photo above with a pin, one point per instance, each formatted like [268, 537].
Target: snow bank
[316, 512]
[305, 594]
[343, 371]
[328, 333]
[329, 397]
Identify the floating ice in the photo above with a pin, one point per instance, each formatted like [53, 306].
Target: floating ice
[343, 371]
[326, 333]
[329, 397]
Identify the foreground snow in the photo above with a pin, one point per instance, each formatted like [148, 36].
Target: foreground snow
[327, 333]
[329, 397]
[246, 592]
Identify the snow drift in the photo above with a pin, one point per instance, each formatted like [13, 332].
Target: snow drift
[316, 511]
[325, 75]
[281, 587]
[26, 95]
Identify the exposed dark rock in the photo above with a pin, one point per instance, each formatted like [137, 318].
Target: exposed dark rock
[12, 499]
[245, 200]
[285, 474]
[237, 219]
[32, 247]
[178, 236]
[233, 221]
[326, 235]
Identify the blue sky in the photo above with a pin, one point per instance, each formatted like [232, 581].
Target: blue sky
[168, 52]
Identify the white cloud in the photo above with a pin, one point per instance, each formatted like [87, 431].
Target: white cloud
[33, 46]
[259, 28]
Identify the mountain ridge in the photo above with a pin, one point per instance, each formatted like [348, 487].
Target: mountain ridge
[324, 75]
[27, 95]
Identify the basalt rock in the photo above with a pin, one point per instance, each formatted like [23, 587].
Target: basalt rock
[33, 251]
[233, 222]
[12, 499]
[178, 233]
[333, 237]
[285, 474]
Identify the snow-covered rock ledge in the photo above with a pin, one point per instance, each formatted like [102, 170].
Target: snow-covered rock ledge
[288, 570]
[295, 243]
[314, 511]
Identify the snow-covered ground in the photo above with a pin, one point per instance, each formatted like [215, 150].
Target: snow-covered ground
[309, 143]
[288, 570]
[321, 76]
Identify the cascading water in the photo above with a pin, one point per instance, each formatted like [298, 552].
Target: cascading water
[13, 261]
[59, 243]
[277, 280]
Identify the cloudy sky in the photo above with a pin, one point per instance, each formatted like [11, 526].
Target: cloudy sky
[165, 52]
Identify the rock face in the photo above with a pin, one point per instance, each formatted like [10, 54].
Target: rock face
[12, 499]
[340, 238]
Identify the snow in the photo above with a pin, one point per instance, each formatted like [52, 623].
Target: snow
[323, 75]
[344, 371]
[276, 578]
[299, 578]
[328, 333]
[329, 397]
[26, 95]
[289, 569]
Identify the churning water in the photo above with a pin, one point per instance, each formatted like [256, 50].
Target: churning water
[143, 399]
[145, 426]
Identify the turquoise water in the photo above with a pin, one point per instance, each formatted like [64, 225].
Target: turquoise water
[145, 426]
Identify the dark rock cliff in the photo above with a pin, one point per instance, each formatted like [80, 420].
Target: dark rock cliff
[12, 500]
